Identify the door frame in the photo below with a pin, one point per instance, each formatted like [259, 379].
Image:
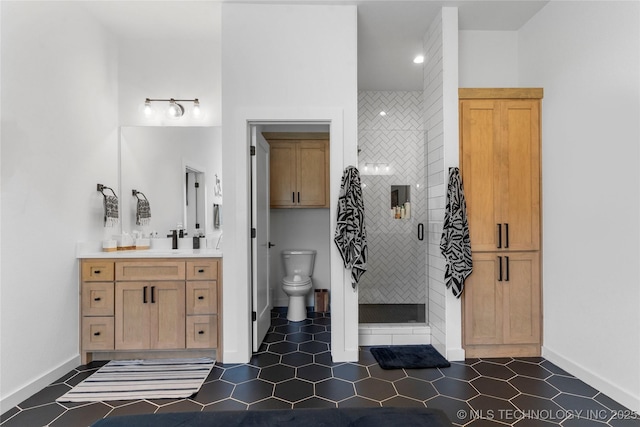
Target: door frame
[237, 255]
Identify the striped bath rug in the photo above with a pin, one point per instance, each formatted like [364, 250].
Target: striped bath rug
[142, 379]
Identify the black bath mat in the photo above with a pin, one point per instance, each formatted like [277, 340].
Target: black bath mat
[409, 357]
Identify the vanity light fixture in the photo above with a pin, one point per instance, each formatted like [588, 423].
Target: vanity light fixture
[175, 109]
[376, 168]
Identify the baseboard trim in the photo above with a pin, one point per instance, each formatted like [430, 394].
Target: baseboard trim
[23, 393]
[455, 354]
[620, 395]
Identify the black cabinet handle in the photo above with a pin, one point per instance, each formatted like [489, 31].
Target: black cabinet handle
[421, 231]
[298, 197]
[153, 295]
[293, 197]
[144, 295]
[507, 270]
[96, 334]
[97, 271]
[200, 297]
[97, 299]
[500, 269]
[201, 270]
[200, 332]
[506, 231]
[499, 236]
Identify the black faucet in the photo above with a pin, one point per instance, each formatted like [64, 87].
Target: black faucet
[174, 239]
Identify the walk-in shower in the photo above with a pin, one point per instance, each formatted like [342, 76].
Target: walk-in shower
[391, 161]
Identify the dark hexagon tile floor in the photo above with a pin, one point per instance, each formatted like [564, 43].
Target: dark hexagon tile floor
[293, 369]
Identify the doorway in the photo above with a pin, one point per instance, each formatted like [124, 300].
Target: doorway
[279, 229]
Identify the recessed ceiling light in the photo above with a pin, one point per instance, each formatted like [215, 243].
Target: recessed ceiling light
[418, 59]
[383, 113]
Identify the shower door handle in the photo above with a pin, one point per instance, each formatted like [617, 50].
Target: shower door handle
[421, 231]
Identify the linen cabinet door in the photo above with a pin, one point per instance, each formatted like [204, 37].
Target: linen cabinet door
[520, 178]
[480, 166]
[132, 326]
[167, 317]
[482, 315]
[521, 301]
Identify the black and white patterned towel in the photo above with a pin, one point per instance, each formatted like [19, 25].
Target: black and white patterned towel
[110, 211]
[143, 212]
[351, 236]
[455, 244]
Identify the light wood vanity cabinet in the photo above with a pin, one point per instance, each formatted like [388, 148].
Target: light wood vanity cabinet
[298, 169]
[149, 304]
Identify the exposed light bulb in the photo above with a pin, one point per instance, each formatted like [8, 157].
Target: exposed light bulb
[419, 59]
[148, 109]
[175, 110]
[196, 108]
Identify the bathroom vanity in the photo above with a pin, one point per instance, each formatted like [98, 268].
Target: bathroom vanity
[136, 304]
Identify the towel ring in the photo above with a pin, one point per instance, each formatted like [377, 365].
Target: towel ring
[101, 189]
[136, 192]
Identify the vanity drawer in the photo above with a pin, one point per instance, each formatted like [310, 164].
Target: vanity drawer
[149, 270]
[97, 333]
[202, 331]
[97, 299]
[97, 271]
[205, 269]
[202, 297]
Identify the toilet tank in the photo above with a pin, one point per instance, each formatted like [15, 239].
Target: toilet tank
[298, 261]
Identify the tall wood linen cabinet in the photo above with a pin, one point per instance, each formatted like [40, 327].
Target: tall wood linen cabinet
[500, 163]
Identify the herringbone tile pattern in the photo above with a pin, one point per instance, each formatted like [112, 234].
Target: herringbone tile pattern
[396, 266]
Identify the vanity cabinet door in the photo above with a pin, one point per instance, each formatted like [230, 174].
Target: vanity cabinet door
[150, 315]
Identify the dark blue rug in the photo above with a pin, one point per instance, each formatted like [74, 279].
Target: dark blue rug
[325, 417]
[409, 357]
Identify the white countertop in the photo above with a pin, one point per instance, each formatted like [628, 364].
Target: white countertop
[94, 250]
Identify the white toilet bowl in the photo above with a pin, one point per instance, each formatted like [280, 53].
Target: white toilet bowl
[298, 266]
[297, 287]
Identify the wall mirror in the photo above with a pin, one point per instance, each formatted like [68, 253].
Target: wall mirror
[175, 168]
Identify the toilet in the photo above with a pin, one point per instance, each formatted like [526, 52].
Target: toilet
[298, 268]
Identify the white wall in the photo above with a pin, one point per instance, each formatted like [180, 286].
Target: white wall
[488, 58]
[59, 139]
[180, 69]
[441, 124]
[310, 75]
[586, 57]
[299, 229]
